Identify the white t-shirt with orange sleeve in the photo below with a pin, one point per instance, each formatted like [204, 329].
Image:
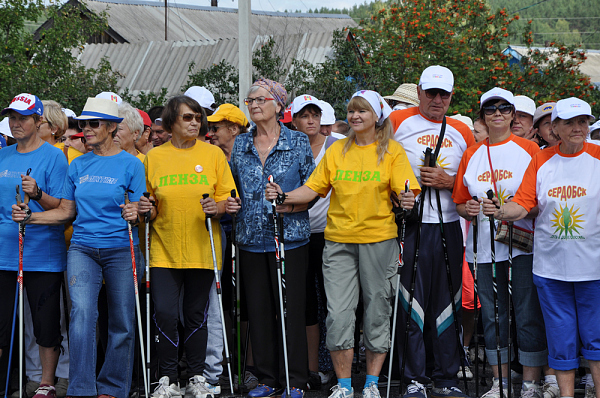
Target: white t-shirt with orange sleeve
[360, 208]
[510, 158]
[567, 232]
[415, 132]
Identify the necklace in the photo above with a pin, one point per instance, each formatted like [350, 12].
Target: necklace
[266, 152]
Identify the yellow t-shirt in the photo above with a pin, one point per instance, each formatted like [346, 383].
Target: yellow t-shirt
[360, 209]
[177, 178]
[140, 155]
[72, 154]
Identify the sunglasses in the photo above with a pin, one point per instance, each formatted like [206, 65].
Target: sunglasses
[491, 109]
[433, 92]
[188, 117]
[94, 124]
[259, 100]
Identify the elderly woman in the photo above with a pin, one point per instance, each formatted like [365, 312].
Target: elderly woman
[93, 195]
[180, 253]
[53, 127]
[498, 163]
[40, 169]
[566, 239]
[225, 124]
[361, 172]
[271, 149]
[130, 130]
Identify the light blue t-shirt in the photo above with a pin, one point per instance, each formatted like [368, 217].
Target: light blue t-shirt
[44, 247]
[97, 185]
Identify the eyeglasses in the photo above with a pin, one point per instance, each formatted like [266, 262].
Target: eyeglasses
[259, 100]
[94, 123]
[213, 129]
[433, 92]
[45, 121]
[187, 117]
[503, 108]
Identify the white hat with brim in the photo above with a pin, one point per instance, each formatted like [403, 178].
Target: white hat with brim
[406, 92]
[328, 115]
[437, 76]
[109, 95]
[497, 93]
[571, 107]
[524, 104]
[595, 126]
[5, 128]
[202, 96]
[304, 100]
[100, 108]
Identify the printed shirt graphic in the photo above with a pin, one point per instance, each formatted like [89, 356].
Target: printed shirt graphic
[510, 159]
[44, 247]
[97, 185]
[360, 209]
[415, 132]
[567, 232]
[177, 178]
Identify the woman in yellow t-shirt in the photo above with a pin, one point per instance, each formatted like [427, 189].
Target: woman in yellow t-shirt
[53, 127]
[178, 173]
[361, 172]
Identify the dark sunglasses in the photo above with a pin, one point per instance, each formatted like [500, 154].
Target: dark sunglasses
[433, 92]
[94, 123]
[187, 117]
[491, 109]
[213, 129]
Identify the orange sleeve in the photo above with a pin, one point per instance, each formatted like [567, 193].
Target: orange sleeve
[460, 193]
[526, 195]
[397, 117]
[463, 129]
[529, 146]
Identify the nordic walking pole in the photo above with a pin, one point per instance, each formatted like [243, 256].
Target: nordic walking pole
[235, 279]
[490, 195]
[414, 275]
[475, 235]
[280, 260]
[148, 334]
[510, 260]
[137, 297]
[400, 264]
[12, 340]
[451, 288]
[219, 294]
[20, 282]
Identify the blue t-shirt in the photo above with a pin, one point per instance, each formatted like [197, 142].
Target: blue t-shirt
[44, 246]
[97, 185]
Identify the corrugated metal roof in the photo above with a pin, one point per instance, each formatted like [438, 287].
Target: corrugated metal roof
[152, 65]
[143, 21]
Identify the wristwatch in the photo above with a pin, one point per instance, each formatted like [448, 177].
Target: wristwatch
[38, 194]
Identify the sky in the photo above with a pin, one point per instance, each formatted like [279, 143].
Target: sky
[281, 5]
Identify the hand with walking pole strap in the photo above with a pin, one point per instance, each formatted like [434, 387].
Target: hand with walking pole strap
[207, 206]
[490, 196]
[280, 260]
[236, 307]
[129, 213]
[147, 217]
[397, 290]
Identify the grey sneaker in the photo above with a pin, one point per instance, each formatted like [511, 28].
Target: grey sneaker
[590, 391]
[371, 391]
[61, 387]
[164, 390]
[494, 392]
[196, 388]
[447, 392]
[29, 390]
[415, 390]
[531, 391]
[550, 390]
[339, 392]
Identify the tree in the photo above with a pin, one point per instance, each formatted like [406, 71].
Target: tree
[47, 66]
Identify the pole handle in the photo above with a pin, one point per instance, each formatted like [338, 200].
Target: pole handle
[147, 215]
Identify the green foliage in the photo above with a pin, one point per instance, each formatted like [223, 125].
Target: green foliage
[145, 100]
[221, 79]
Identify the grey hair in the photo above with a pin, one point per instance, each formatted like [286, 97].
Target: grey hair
[132, 118]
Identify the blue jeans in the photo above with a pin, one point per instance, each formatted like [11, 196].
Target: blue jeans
[86, 268]
[528, 314]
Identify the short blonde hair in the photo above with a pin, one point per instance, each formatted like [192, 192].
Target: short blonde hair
[132, 118]
[56, 117]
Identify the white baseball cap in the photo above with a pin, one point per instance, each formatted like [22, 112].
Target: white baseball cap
[328, 115]
[5, 128]
[524, 104]
[437, 77]
[571, 107]
[595, 126]
[69, 112]
[109, 95]
[202, 96]
[495, 94]
[303, 100]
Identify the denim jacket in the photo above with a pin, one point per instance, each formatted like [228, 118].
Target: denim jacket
[290, 162]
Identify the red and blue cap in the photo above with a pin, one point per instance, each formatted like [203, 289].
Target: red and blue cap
[25, 104]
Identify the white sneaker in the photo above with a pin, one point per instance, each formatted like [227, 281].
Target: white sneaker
[550, 390]
[214, 388]
[468, 373]
[531, 391]
[164, 390]
[590, 391]
[371, 391]
[339, 392]
[196, 388]
[494, 392]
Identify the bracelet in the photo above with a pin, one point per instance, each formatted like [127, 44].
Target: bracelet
[280, 198]
[38, 194]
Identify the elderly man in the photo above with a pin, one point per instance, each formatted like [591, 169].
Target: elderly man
[417, 129]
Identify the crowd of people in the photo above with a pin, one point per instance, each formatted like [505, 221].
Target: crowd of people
[273, 243]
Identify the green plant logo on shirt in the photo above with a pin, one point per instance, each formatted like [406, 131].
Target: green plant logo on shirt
[567, 222]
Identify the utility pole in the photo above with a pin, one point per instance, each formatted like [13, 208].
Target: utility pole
[245, 50]
[166, 9]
